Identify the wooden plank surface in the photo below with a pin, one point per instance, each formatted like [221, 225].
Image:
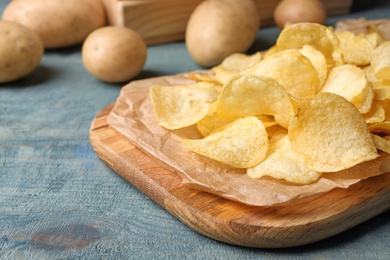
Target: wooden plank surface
[294, 223]
[161, 21]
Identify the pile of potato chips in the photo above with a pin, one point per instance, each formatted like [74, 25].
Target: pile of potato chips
[318, 101]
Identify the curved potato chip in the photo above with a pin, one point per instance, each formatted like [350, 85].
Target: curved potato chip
[386, 106]
[233, 64]
[350, 82]
[251, 95]
[318, 60]
[281, 163]
[211, 122]
[223, 75]
[202, 77]
[375, 38]
[240, 144]
[356, 49]
[376, 114]
[382, 127]
[272, 50]
[329, 134]
[382, 91]
[319, 36]
[240, 61]
[370, 74]
[380, 61]
[381, 143]
[292, 70]
[180, 106]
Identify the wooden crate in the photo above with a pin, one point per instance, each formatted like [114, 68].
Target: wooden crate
[160, 21]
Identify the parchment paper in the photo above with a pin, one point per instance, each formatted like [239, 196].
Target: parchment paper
[362, 25]
[133, 117]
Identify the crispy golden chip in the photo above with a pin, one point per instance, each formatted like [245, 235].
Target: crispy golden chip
[211, 121]
[375, 38]
[376, 114]
[281, 163]
[274, 130]
[356, 49]
[370, 74]
[292, 70]
[205, 77]
[382, 90]
[386, 106]
[251, 95]
[329, 134]
[268, 121]
[270, 51]
[382, 127]
[350, 82]
[318, 60]
[240, 144]
[380, 61]
[319, 36]
[233, 64]
[381, 143]
[223, 75]
[180, 106]
[240, 61]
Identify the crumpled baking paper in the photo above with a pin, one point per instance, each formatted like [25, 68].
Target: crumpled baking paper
[133, 117]
[362, 25]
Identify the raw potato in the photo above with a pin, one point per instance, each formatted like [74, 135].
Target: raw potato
[114, 54]
[297, 11]
[218, 28]
[58, 23]
[21, 51]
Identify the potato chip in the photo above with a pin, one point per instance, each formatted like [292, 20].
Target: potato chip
[223, 75]
[233, 64]
[370, 74]
[270, 51]
[292, 70]
[180, 106]
[382, 127]
[211, 122]
[281, 163]
[377, 113]
[240, 61]
[381, 143]
[329, 134]
[350, 82]
[251, 95]
[202, 77]
[274, 130]
[386, 107]
[356, 49]
[375, 38]
[318, 60]
[319, 36]
[382, 90]
[380, 61]
[240, 144]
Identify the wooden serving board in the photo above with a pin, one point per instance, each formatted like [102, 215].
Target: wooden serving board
[294, 223]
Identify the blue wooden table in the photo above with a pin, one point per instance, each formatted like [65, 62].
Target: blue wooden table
[58, 200]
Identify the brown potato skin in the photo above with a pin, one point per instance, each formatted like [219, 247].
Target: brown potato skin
[58, 23]
[21, 51]
[218, 28]
[295, 11]
[114, 54]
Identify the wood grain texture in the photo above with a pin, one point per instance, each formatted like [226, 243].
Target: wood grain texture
[294, 223]
[161, 21]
